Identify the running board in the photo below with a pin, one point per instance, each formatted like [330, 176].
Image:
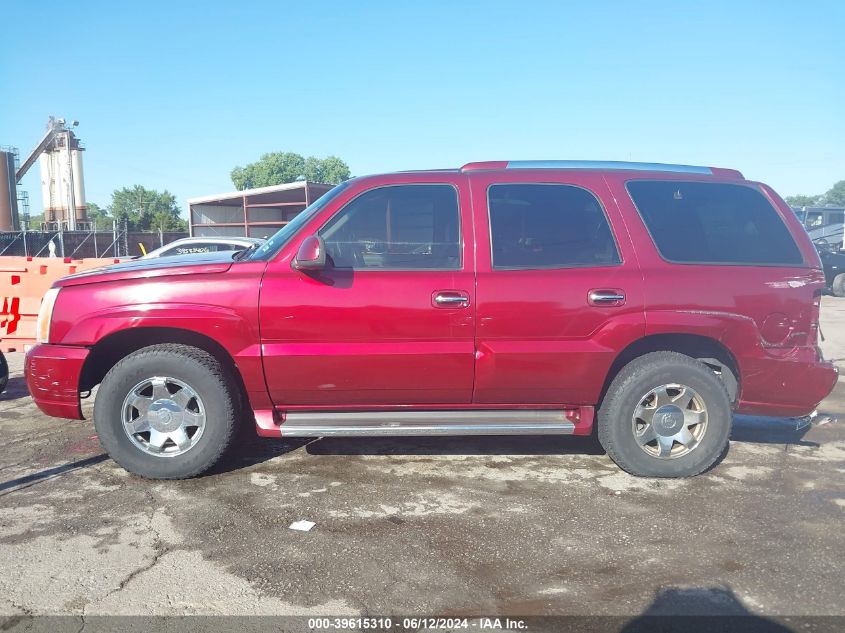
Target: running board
[418, 423]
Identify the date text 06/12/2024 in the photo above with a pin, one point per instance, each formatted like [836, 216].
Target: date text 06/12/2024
[416, 624]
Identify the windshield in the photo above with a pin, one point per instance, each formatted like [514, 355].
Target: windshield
[284, 234]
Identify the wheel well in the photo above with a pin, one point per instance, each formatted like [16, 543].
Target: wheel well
[109, 350]
[707, 350]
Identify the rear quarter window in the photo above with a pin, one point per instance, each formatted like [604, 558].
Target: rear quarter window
[713, 223]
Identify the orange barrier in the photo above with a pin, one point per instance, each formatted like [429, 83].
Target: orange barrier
[23, 282]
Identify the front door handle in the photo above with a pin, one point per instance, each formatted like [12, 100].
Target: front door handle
[450, 299]
[606, 297]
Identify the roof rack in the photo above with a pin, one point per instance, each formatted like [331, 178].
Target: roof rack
[597, 164]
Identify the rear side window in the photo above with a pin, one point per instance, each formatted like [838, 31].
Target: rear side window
[548, 226]
[195, 247]
[713, 223]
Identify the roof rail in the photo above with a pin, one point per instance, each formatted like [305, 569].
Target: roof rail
[599, 165]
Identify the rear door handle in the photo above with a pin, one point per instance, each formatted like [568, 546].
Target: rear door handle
[606, 297]
[450, 299]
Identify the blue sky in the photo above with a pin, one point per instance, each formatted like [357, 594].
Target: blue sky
[174, 94]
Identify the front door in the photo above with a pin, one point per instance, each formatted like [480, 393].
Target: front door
[390, 320]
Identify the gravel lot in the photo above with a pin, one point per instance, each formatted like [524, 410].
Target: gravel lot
[426, 526]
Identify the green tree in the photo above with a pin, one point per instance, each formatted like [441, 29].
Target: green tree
[836, 195]
[802, 200]
[99, 217]
[166, 221]
[330, 170]
[33, 221]
[146, 209]
[276, 168]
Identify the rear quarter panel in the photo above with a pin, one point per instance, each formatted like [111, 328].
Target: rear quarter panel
[734, 304]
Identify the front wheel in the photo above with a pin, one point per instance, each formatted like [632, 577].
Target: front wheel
[665, 415]
[166, 412]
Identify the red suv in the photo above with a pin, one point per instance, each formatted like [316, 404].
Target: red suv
[525, 297]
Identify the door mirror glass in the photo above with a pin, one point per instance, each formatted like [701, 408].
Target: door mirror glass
[311, 254]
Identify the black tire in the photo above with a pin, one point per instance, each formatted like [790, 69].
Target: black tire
[4, 373]
[631, 384]
[195, 367]
[838, 285]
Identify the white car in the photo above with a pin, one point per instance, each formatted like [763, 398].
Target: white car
[189, 245]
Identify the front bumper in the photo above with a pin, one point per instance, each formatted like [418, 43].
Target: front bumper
[791, 385]
[52, 375]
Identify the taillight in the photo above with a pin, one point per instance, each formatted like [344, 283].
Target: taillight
[815, 315]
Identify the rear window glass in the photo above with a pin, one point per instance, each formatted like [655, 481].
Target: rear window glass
[713, 223]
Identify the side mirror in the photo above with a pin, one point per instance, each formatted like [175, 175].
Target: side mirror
[311, 254]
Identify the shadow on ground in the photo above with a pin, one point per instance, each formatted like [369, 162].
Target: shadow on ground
[699, 609]
[49, 473]
[764, 430]
[257, 450]
[15, 389]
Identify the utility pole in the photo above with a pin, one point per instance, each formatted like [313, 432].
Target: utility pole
[141, 204]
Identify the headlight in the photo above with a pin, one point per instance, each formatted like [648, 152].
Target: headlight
[45, 316]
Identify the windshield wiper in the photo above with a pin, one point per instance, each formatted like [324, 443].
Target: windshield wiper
[241, 254]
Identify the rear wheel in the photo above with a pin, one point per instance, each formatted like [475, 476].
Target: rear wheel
[838, 285]
[665, 415]
[166, 412]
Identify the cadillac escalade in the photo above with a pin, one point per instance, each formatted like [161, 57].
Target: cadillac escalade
[647, 302]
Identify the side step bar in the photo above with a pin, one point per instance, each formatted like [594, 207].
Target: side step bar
[418, 423]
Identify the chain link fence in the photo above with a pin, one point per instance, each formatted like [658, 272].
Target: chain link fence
[82, 244]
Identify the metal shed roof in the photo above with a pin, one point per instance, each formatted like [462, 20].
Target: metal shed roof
[235, 198]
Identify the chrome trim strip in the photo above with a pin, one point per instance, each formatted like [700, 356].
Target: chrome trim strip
[608, 164]
[510, 422]
[428, 429]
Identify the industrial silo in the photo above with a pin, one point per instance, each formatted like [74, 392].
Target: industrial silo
[50, 187]
[62, 182]
[78, 186]
[8, 193]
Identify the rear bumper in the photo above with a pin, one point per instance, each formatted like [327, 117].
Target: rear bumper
[52, 375]
[790, 385]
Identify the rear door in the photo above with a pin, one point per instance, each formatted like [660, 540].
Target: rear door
[390, 319]
[559, 290]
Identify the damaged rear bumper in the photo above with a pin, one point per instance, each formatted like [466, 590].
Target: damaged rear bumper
[791, 385]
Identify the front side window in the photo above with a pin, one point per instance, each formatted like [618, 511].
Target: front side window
[399, 227]
[548, 226]
[713, 223]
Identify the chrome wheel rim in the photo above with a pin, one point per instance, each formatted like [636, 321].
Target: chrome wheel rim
[669, 421]
[163, 416]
